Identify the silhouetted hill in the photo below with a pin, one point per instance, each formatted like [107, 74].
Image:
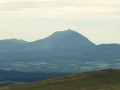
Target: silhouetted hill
[9, 44]
[108, 79]
[68, 40]
[104, 51]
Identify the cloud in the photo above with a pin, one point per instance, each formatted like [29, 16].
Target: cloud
[59, 8]
[96, 2]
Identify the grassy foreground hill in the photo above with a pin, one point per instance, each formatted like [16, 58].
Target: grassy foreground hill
[108, 79]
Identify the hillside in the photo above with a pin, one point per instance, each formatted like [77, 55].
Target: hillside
[108, 79]
[16, 76]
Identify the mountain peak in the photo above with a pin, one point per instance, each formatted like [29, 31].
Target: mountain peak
[70, 30]
[67, 38]
[65, 31]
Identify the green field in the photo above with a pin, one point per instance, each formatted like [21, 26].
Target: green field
[108, 79]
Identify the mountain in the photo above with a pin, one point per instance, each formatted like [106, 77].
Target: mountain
[68, 40]
[12, 42]
[108, 79]
[7, 44]
[63, 51]
[106, 49]
[104, 52]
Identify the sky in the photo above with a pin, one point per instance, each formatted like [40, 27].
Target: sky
[31, 20]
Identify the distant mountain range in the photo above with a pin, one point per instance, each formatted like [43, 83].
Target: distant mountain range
[68, 40]
[63, 51]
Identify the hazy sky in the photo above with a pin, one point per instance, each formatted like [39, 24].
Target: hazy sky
[98, 20]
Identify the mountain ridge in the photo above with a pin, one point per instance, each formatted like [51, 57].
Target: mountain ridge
[62, 51]
[60, 40]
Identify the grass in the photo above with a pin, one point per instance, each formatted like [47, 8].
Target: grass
[108, 79]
